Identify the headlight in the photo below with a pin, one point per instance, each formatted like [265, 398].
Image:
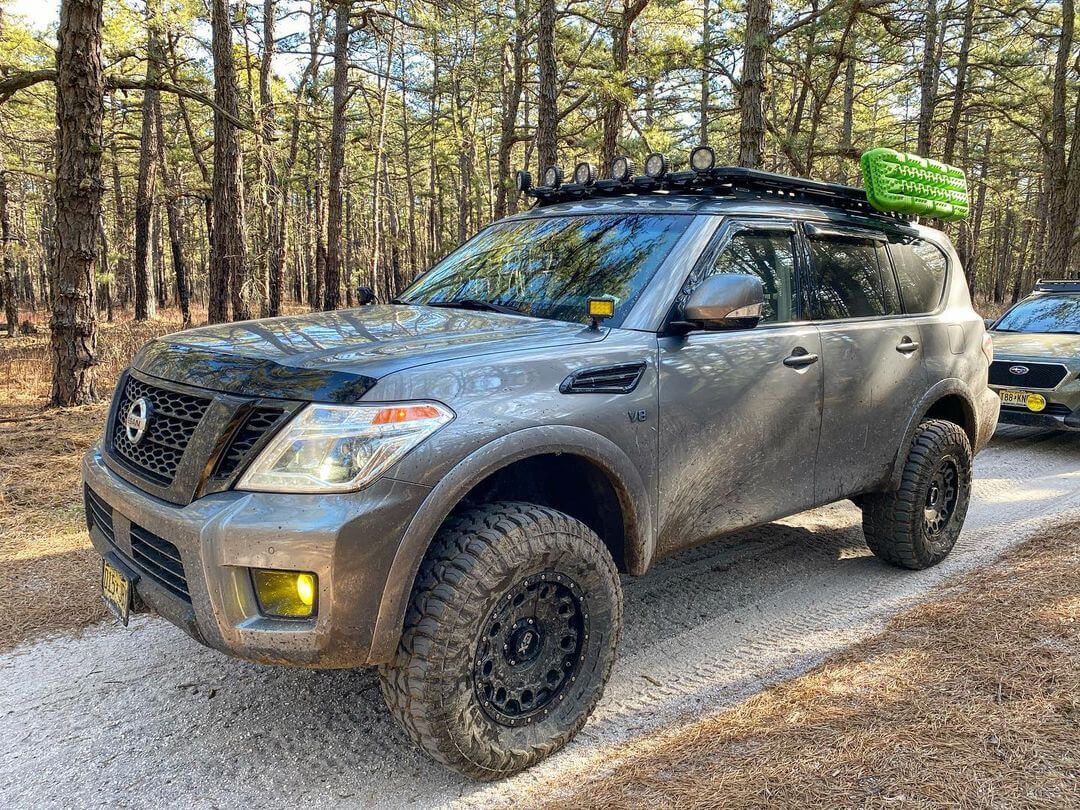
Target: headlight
[341, 448]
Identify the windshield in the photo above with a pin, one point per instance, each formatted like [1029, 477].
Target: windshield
[1047, 313]
[548, 268]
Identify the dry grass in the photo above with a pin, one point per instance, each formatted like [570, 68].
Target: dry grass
[49, 570]
[971, 700]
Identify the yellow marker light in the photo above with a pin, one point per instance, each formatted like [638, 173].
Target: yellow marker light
[601, 307]
[1036, 402]
[285, 594]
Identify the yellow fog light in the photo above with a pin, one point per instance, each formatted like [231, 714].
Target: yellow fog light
[285, 594]
[1036, 402]
[305, 588]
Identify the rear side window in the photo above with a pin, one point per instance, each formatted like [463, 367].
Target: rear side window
[846, 277]
[921, 269]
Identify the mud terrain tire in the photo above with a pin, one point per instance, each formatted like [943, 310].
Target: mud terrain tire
[916, 526]
[512, 597]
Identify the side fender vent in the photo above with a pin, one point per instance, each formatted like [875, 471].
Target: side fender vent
[620, 379]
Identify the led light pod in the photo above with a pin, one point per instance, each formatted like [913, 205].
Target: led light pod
[656, 166]
[622, 169]
[702, 159]
[585, 174]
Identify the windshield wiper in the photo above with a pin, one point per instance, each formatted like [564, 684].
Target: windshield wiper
[476, 303]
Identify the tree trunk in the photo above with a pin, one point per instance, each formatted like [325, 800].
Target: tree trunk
[1063, 180]
[928, 74]
[752, 85]
[11, 305]
[620, 57]
[228, 245]
[317, 291]
[972, 263]
[706, 55]
[275, 200]
[504, 188]
[175, 224]
[145, 298]
[547, 119]
[407, 158]
[332, 300]
[80, 104]
[124, 281]
[952, 130]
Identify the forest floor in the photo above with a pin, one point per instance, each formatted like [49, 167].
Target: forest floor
[46, 560]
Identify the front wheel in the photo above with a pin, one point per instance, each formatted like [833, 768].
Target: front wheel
[509, 639]
[917, 525]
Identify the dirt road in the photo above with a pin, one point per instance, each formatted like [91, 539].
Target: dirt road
[145, 717]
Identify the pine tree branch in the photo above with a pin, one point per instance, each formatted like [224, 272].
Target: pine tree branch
[11, 84]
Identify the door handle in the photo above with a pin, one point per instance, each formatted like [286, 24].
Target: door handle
[907, 346]
[800, 358]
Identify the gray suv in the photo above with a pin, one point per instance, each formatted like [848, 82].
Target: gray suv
[448, 486]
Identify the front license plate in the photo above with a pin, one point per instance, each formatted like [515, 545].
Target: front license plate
[1025, 399]
[116, 591]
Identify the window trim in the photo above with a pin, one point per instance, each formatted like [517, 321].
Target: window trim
[811, 230]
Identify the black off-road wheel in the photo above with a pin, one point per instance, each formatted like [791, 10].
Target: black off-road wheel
[509, 639]
[917, 525]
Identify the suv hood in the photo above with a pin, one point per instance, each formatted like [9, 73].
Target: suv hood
[338, 356]
[1062, 348]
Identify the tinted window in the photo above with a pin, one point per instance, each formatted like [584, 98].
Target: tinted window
[770, 256]
[1047, 313]
[920, 266]
[846, 277]
[548, 268]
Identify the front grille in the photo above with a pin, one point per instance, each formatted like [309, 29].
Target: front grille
[1052, 409]
[159, 560]
[259, 423]
[173, 419]
[620, 379]
[99, 514]
[1039, 375]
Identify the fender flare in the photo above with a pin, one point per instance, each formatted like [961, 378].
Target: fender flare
[633, 494]
[950, 386]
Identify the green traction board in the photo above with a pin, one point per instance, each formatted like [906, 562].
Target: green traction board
[904, 183]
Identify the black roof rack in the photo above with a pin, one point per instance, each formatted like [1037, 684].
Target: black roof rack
[1058, 285]
[721, 181]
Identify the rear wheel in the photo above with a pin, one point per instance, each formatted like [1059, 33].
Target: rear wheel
[917, 525]
[508, 641]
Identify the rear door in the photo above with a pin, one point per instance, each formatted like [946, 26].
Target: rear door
[740, 409]
[873, 371]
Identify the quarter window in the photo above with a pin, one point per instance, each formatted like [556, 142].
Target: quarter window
[847, 278]
[769, 255]
[921, 268]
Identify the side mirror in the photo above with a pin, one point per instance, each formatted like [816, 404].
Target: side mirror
[988, 322]
[726, 301]
[365, 296]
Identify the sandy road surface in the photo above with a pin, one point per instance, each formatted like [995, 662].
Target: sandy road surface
[146, 718]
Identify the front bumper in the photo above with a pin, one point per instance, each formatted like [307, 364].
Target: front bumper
[1049, 421]
[348, 540]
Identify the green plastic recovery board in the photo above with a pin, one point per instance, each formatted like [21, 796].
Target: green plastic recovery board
[904, 183]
